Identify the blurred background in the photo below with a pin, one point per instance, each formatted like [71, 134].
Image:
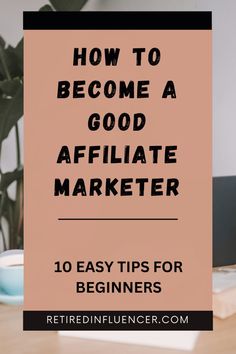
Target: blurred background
[222, 340]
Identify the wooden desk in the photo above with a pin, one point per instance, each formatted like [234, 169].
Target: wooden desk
[14, 341]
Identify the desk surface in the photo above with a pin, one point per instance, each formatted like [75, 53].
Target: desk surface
[14, 341]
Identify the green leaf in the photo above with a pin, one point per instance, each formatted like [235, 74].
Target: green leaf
[68, 5]
[3, 107]
[2, 42]
[14, 64]
[19, 54]
[11, 110]
[7, 205]
[10, 64]
[4, 72]
[46, 8]
[9, 177]
[10, 87]
[18, 210]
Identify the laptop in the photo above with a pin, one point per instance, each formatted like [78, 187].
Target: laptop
[224, 221]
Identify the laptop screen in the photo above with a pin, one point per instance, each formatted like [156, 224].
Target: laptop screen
[224, 220]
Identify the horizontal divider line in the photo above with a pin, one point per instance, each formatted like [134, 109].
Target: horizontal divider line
[119, 219]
